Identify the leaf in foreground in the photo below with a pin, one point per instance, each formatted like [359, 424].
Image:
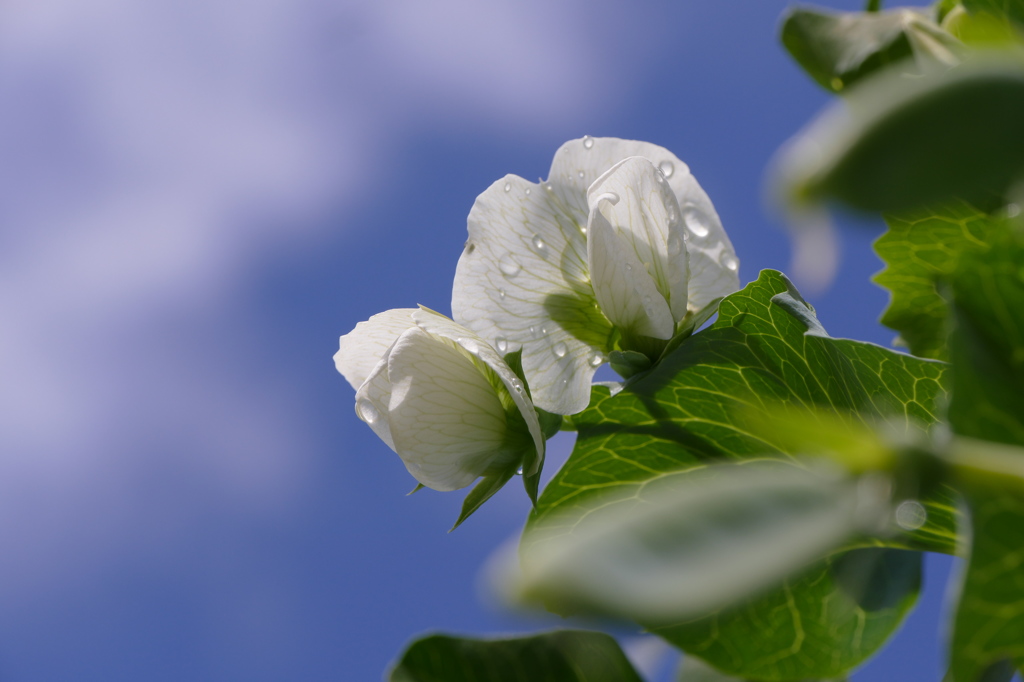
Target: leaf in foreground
[560, 656]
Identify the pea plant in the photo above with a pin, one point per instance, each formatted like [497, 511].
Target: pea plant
[753, 491]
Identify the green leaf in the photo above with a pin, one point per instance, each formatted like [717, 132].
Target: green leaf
[987, 350]
[838, 49]
[707, 402]
[560, 656]
[919, 248]
[628, 363]
[899, 144]
[1014, 9]
[693, 669]
[702, 540]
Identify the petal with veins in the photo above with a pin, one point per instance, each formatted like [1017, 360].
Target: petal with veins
[448, 424]
[439, 325]
[361, 349]
[645, 216]
[626, 292]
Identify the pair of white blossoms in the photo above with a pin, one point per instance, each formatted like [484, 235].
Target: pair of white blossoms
[618, 250]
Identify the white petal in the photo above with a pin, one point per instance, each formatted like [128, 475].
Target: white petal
[645, 215]
[626, 292]
[447, 421]
[523, 282]
[439, 325]
[373, 400]
[713, 266]
[361, 349]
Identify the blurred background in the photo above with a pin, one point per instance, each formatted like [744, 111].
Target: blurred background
[197, 197]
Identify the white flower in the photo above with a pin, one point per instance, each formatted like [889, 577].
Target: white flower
[439, 396]
[530, 278]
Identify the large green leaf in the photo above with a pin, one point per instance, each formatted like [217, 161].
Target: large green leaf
[987, 349]
[898, 144]
[838, 49]
[559, 656]
[709, 401]
[920, 247]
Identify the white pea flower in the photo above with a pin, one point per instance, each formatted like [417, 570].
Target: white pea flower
[441, 397]
[617, 250]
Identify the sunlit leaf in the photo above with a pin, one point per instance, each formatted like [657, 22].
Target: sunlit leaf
[560, 656]
[919, 248]
[1014, 9]
[704, 403]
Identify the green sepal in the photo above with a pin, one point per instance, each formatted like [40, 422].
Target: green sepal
[628, 363]
[419, 487]
[483, 491]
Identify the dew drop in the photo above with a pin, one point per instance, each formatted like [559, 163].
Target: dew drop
[629, 267]
[543, 331]
[509, 266]
[470, 345]
[671, 214]
[367, 412]
[730, 262]
[694, 220]
[647, 301]
[666, 168]
[517, 385]
[539, 245]
[588, 141]
[519, 471]
[583, 229]
[501, 344]
[508, 186]
[501, 294]
[560, 350]
[549, 187]
[675, 245]
[911, 515]
[581, 174]
[533, 331]
[528, 190]
[596, 359]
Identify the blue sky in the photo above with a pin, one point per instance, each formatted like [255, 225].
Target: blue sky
[197, 197]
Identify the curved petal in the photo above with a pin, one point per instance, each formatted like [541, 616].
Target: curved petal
[522, 282]
[645, 215]
[626, 292]
[361, 349]
[449, 426]
[713, 266]
[439, 325]
[373, 399]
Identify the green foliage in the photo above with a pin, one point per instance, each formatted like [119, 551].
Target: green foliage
[919, 248]
[838, 49]
[1014, 9]
[902, 143]
[562, 656]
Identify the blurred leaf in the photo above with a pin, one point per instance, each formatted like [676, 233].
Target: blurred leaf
[838, 49]
[693, 669]
[707, 402]
[1013, 9]
[982, 29]
[901, 143]
[987, 351]
[987, 344]
[920, 247]
[559, 656]
[701, 540]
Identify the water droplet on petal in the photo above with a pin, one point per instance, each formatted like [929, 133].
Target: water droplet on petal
[730, 262]
[543, 331]
[675, 245]
[666, 168]
[695, 220]
[519, 471]
[501, 294]
[581, 174]
[560, 349]
[501, 344]
[517, 385]
[629, 267]
[470, 345]
[509, 266]
[583, 229]
[367, 412]
[647, 300]
[528, 190]
[596, 359]
[911, 515]
[588, 141]
[508, 186]
[539, 246]
[549, 187]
